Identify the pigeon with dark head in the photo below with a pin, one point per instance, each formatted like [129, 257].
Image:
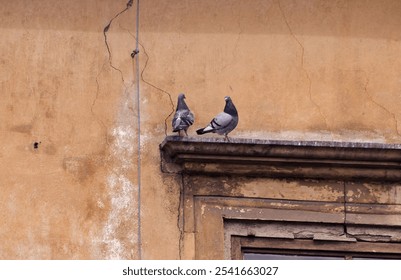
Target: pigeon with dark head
[224, 122]
[183, 117]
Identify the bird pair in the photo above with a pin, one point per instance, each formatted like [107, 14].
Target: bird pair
[222, 124]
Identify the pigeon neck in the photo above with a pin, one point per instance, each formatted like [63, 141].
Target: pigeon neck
[230, 108]
[182, 105]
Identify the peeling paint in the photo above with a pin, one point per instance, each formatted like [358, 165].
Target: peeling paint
[123, 147]
[203, 209]
[122, 191]
[100, 204]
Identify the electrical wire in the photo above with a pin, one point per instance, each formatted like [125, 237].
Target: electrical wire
[136, 57]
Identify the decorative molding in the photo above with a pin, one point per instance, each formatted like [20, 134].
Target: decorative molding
[282, 159]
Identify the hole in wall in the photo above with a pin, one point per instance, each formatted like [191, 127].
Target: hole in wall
[36, 145]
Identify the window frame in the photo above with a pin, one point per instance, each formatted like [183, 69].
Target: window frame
[353, 186]
[241, 245]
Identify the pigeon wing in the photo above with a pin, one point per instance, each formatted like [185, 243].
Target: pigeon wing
[182, 120]
[221, 121]
[190, 118]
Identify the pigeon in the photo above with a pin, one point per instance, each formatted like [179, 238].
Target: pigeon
[183, 117]
[224, 122]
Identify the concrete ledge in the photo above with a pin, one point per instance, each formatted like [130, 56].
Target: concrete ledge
[282, 159]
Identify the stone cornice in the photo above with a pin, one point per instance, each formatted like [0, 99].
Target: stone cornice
[282, 159]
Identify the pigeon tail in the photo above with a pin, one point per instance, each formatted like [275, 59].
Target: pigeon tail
[178, 124]
[203, 131]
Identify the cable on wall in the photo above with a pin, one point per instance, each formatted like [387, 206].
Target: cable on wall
[135, 56]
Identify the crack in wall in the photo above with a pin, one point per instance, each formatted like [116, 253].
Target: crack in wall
[102, 124]
[393, 116]
[106, 29]
[367, 236]
[345, 208]
[151, 84]
[236, 41]
[360, 236]
[110, 62]
[159, 89]
[303, 66]
[180, 218]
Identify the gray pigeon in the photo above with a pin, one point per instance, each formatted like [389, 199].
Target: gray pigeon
[183, 117]
[224, 122]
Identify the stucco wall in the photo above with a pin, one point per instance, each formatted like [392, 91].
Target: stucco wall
[301, 70]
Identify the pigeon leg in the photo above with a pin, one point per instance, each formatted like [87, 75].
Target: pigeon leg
[186, 132]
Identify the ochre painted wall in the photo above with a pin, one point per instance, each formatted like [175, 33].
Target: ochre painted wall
[296, 70]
